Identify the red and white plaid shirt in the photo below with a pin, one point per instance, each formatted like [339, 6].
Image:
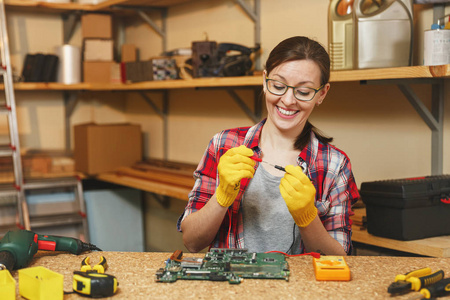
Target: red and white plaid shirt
[328, 168]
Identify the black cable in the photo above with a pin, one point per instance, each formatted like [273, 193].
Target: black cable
[293, 239]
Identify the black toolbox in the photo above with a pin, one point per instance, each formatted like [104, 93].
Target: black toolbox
[408, 209]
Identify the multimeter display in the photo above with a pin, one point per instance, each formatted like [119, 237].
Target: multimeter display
[331, 268]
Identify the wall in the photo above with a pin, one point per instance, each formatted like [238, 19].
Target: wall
[375, 125]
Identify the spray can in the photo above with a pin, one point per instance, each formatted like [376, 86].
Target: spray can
[340, 34]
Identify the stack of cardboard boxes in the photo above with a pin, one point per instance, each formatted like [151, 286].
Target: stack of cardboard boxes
[98, 56]
[98, 48]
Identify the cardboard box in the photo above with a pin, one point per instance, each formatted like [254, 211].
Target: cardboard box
[104, 148]
[97, 26]
[129, 53]
[97, 71]
[98, 50]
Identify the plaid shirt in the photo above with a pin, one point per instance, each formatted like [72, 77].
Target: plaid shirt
[328, 168]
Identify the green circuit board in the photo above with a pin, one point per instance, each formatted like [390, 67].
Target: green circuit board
[220, 264]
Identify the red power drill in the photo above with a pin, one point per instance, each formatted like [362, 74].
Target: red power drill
[18, 247]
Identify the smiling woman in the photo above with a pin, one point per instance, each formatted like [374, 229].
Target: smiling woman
[240, 200]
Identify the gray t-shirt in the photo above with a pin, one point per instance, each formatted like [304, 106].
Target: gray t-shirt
[268, 225]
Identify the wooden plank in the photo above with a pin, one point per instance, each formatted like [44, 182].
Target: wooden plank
[155, 169]
[151, 3]
[159, 177]
[244, 81]
[434, 246]
[36, 86]
[391, 73]
[43, 6]
[146, 185]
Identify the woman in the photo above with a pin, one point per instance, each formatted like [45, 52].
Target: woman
[238, 202]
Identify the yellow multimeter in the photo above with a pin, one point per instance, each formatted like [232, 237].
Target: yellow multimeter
[331, 268]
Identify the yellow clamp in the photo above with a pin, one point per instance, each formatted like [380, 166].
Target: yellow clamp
[98, 268]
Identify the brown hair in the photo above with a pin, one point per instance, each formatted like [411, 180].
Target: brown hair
[300, 48]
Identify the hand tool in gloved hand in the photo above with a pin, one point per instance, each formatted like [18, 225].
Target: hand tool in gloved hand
[92, 282]
[300, 162]
[438, 289]
[233, 166]
[255, 158]
[272, 165]
[18, 247]
[299, 194]
[414, 280]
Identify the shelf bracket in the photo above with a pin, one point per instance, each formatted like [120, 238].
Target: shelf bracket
[434, 118]
[161, 31]
[70, 21]
[163, 114]
[255, 16]
[70, 102]
[161, 199]
[256, 116]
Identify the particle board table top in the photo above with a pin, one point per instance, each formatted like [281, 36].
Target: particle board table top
[135, 272]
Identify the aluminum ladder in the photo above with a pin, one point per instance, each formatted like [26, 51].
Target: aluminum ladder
[11, 193]
[16, 192]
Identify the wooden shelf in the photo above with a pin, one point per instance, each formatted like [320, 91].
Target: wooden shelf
[245, 81]
[105, 5]
[391, 73]
[160, 188]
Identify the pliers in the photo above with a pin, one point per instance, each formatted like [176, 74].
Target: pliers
[414, 280]
[98, 268]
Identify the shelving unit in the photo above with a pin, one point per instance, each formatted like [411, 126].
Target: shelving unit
[401, 76]
[407, 73]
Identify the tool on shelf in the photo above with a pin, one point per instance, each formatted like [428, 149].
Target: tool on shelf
[92, 281]
[17, 248]
[414, 280]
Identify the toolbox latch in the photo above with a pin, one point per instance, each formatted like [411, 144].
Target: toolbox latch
[445, 199]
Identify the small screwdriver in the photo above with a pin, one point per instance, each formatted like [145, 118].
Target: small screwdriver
[260, 160]
[275, 166]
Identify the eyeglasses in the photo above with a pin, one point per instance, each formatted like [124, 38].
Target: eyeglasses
[301, 93]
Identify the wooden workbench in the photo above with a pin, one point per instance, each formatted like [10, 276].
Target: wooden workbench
[135, 273]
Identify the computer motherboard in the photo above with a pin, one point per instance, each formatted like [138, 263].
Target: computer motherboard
[222, 264]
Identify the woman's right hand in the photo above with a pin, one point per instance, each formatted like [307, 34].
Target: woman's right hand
[234, 165]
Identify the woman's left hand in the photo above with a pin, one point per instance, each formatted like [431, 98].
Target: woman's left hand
[299, 193]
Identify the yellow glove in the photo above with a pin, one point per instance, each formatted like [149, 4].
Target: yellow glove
[299, 193]
[234, 165]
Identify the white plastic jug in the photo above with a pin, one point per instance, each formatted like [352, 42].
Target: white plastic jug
[340, 34]
[383, 32]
